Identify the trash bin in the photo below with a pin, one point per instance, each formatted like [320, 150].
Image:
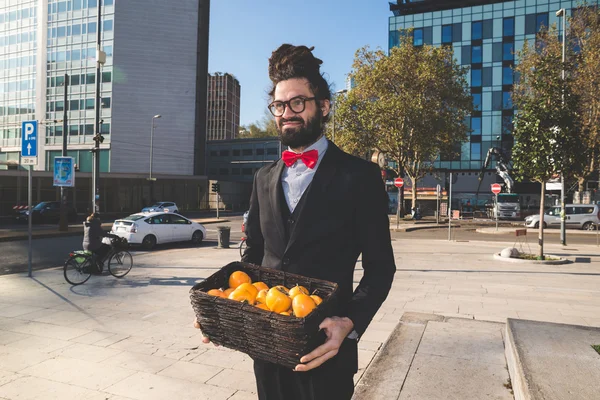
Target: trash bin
[223, 233]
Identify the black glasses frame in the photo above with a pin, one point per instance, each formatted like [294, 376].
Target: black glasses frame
[288, 103]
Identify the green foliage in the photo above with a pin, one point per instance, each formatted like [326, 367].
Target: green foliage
[259, 129]
[410, 105]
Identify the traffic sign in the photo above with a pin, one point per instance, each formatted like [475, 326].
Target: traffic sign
[29, 139]
[64, 171]
[398, 182]
[496, 188]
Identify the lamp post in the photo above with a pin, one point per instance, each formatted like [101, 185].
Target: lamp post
[563, 232]
[333, 109]
[151, 153]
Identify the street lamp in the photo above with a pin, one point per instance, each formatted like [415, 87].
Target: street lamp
[333, 110]
[151, 153]
[563, 232]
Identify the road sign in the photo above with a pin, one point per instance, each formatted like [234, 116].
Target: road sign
[64, 171]
[399, 182]
[496, 188]
[29, 139]
[29, 161]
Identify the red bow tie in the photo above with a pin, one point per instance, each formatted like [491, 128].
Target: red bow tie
[309, 158]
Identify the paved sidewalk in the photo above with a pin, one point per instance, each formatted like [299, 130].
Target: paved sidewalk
[132, 338]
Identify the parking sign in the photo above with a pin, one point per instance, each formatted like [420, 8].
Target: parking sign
[29, 139]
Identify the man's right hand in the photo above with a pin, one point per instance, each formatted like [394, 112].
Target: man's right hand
[205, 339]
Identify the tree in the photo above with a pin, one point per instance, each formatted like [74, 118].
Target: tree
[547, 141]
[584, 35]
[259, 129]
[411, 105]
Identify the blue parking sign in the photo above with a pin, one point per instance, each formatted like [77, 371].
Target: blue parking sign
[64, 171]
[29, 139]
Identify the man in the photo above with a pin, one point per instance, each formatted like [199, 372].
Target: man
[313, 213]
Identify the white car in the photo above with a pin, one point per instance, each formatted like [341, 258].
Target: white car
[166, 206]
[150, 229]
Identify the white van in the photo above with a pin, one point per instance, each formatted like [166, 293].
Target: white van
[579, 216]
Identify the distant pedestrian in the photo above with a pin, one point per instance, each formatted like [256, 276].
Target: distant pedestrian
[92, 236]
[296, 224]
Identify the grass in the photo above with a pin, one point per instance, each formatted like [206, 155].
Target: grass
[596, 347]
[525, 256]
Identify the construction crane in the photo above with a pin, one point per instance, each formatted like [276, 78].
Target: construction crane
[502, 165]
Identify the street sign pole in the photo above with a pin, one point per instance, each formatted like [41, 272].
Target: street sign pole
[438, 191]
[399, 183]
[496, 212]
[450, 209]
[29, 219]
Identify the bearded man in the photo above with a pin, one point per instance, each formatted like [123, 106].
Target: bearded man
[312, 213]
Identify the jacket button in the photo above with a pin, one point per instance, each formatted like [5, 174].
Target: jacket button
[291, 221]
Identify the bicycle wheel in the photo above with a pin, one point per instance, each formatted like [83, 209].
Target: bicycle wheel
[242, 246]
[120, 263]
[78, 273]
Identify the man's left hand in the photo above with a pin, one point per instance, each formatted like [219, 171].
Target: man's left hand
[336, 329]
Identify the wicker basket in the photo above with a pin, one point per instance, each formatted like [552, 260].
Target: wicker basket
[261, 334]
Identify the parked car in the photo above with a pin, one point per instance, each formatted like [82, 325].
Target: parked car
[167, 206]
[150, 229]
[580, 216]
[46, 212]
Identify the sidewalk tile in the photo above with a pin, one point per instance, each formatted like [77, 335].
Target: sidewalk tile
[95, 337]
[16, 360]
[225, 359]
[241, 395]
[33, 388]
[86, 352]
[144, 386]
[138, 362]
[8, 376]
[7, 337]
[87, 374]
[43, 344]
[16, 310]
[49, 330]
[238, 380]
[191, 371]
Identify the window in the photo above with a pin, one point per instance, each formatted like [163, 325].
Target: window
[457, 32]
[90, 79]
[477, 30]
[62, 6]
[75, 55]
[89, 104]
[418, 37]
[507, 52]
[541, 21]
[107, 26]
[74, 79]
[476, 78]
[91, 28]
[247, 152]
[76, 30]
[475, 151]
[106, 102]
[486, 76]
[272, 151]
[106, 77]
[508, 27]
[224, 153]
[488, 29]
[105, 128]
[476, 125]
[176, 219]
[260, 152]
[447, 34]
[507, 125]
[74, 130]
[507, 76]
[428, 35]
[476, 54]
[236, 152]
[477, 101]
[506, 101]
[76, 4]
[59, 105]
[214, 153]
[74, 105]
[89, 129]
[61, 31]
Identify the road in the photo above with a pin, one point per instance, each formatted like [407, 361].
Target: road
[52, 252]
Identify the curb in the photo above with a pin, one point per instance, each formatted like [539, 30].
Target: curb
[560, 260]
[416, 228]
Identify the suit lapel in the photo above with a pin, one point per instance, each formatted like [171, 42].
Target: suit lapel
[275, 197]
[317, 192]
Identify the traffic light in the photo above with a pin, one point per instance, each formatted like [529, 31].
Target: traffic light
[216, 187]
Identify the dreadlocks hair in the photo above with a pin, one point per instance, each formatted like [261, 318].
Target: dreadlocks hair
[289, 61]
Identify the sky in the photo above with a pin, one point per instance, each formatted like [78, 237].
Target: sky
[244, 33]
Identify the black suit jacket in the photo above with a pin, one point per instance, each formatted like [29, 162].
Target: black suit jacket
[344, 215]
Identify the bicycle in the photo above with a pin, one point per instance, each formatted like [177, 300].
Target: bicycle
[82, 263]
[242, 246]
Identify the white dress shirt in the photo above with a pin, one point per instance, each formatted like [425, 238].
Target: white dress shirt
[295, 179]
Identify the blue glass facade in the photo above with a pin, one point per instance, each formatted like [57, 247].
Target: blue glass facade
[484, 37]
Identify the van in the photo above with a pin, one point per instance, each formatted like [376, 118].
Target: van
[578, 216]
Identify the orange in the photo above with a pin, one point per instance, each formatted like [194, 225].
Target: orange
[249, 287]
[237, 278]
[285, 313]
[303, 305]
[263, 307]
[227, 292]
[296, 290]
[283, 288]
[261, 297]
[260, 286]
[243, 296]
[316, 298]
[216, 292]
[277, 300]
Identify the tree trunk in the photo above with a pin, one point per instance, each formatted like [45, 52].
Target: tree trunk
[414, 194]
[580, 183]
[541, 228]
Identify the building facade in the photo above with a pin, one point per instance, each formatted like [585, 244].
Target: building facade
[148, 71]
[485, 35]
[223, 113]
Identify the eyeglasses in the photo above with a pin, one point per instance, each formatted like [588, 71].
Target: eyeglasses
[296, 104]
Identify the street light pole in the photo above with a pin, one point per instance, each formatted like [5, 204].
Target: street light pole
[335, 95]
[151, 154]
[563, 232]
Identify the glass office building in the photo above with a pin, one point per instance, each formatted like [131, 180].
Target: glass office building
[485, 35]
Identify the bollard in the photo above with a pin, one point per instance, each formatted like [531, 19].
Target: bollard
[223, 234]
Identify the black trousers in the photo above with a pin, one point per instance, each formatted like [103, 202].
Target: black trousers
[277, 383]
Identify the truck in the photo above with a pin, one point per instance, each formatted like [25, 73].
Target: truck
[508, 205]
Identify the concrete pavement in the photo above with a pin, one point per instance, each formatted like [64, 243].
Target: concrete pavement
[132, 338]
